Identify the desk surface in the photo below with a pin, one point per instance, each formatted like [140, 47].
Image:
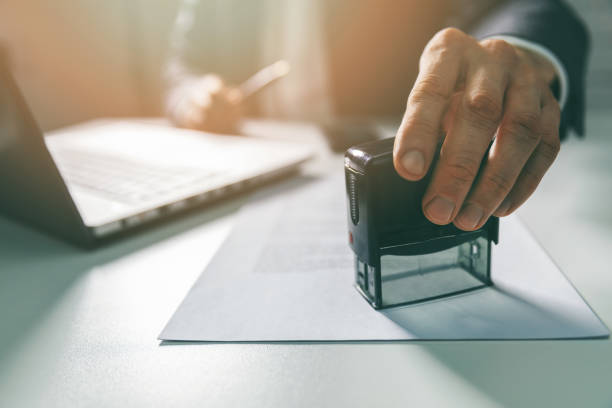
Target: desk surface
[79, 328]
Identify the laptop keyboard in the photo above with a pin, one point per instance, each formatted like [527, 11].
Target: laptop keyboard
[125, 179]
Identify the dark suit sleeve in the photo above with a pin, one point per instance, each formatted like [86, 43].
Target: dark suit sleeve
[552, 24]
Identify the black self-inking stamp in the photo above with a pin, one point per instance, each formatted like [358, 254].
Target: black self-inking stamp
[400, 256]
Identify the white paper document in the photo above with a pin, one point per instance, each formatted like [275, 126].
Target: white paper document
[286, 273]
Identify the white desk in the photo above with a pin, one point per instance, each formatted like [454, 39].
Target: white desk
[79, 328]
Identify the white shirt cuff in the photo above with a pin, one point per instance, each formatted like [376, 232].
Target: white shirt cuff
[545, 53]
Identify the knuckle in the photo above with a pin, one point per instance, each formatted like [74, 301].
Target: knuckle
[551, 119]
[497, 183]
[550, 130]
[526, 77]
[530, 76]
[449, 35]
[524, 126]
[556, 113]
[530, 179]
[429, 87]
[436, 55]
[484, 106]
[500, 49]
[549, 149]
[462, 169]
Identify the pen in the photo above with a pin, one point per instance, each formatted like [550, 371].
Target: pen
[264, 77]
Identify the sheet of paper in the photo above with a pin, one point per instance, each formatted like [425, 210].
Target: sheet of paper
[286, 274]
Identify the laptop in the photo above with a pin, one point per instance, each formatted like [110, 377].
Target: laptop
[93, 182]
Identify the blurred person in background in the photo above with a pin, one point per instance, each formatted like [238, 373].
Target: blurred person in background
[472, 73]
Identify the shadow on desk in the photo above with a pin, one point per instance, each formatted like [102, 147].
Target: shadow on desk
[575, 197]
[36, 270]
[532, 373]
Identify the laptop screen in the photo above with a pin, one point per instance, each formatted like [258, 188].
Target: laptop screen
[31, 187]
[10, 123]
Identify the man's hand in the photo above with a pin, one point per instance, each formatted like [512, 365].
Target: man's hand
[468, 94]
[208, 104]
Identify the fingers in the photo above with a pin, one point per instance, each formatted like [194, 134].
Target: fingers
[485, 100]
[468, 138]
[210, 105]
[517, 137]
[224, 112]
[418, 135]
[541, 159]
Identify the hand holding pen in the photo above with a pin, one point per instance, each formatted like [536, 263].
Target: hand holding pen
[211, 105]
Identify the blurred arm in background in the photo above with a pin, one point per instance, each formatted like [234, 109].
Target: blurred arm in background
[202, 43]
[218, 44]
